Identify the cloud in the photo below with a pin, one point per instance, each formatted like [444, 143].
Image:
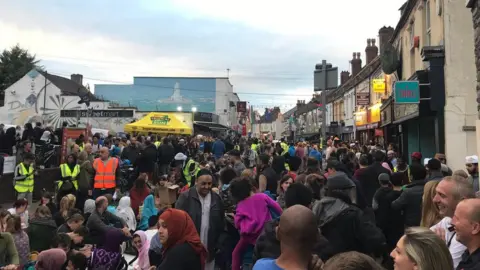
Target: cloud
[269, 47]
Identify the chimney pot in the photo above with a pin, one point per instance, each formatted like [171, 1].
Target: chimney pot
[371, 51]
[354, 55]
[356, 64]
[78, 78]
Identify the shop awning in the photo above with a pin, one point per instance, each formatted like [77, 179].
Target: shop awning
[160, 123]
[211, 126]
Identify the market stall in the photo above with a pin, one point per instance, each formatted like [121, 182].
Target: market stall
[160, 123]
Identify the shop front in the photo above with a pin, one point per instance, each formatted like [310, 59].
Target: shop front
[386, 118]
[347, 134]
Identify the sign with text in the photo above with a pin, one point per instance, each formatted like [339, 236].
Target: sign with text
[378, 86]
[241, 106]
[97, 113]
[363, 99]
[407, 92]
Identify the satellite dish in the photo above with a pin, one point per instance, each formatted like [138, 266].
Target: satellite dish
[389, 59]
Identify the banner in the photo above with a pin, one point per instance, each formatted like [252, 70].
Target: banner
[9, 164]
[241, 106]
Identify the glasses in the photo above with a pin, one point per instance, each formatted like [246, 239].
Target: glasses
[469, 165]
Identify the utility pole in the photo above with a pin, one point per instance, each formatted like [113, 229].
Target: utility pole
[228, 73]
[325, 77]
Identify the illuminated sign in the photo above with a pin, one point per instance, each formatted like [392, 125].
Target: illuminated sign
[378, 86]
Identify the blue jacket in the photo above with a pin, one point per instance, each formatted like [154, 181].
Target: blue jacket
[315, 154]
[218, 148]
[291, 151]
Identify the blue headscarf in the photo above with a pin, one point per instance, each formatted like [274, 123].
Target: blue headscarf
[149, 210]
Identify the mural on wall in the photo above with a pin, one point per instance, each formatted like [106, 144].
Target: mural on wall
[29, 106]
[163, 94]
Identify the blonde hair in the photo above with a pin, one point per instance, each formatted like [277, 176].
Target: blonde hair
[247, 173]
[461, 173]
[82, 157]
[66, 204]
[426, 249]
[430, 211]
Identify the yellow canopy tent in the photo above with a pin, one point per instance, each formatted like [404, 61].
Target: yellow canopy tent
[157, 122]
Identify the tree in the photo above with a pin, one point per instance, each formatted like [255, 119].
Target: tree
[14, 64]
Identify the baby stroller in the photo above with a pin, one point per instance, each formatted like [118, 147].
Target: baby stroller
[128, 176]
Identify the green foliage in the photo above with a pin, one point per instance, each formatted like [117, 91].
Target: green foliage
[14, 64]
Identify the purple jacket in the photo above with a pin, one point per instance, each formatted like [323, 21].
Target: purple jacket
[252, 214]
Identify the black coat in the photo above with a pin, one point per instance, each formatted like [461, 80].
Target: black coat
[190, 203]
[181, 257]
[410, 202]
[369, 180]
[148, 158]
[166, 153]
[390, 221]
[41, 231]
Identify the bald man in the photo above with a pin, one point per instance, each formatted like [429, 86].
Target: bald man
[107, 174]
[466, 222]
[297, 233]
[101, 220]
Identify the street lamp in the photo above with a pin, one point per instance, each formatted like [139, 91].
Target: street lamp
[194, 109]
[179, 108]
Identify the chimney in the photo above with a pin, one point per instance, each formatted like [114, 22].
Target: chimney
[371, 51]
[344, 76]
[78, 78]
[384, 36]
[356, 64]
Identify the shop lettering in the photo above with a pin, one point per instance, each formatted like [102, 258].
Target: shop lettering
[407, 94]
[161, 120]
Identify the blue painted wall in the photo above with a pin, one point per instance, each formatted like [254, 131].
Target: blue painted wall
[154, 93]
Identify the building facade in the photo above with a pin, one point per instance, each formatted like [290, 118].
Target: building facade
[209, 95]
[52, 100]
[474, 6]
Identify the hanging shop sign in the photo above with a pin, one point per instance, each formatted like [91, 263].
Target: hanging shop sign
[386, 115]
[407, 92]
[363, 99]
[361, 118]
[374, 113]
[378, 86]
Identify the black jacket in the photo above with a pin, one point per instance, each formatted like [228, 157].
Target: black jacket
[347, 228]
[190, 203]
[369, 180]
[388, 220]
[148, 158]
[166, 153]
[435, 176]
[131, 153]
[41, 231]
[181, 257]
[410, 202]
[268, 246]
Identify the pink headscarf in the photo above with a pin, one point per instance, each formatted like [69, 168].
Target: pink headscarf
[51, 259]
[143, 262]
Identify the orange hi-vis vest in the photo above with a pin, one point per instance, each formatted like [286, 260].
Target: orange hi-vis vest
[105, 173]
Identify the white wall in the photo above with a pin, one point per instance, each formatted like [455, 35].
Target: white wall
[329, 113]
[460, 84]
[349, 107]
[25, 101]
[223, 95]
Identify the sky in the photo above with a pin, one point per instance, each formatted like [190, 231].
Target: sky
[270, 47]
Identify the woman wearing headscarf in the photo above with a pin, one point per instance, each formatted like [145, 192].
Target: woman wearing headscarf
[149, 210]
[88, 209]
[125, 211]
[141, 243]
[52, 259]
[182, 248]
[109, 255]
[139, 192]
[28, 133]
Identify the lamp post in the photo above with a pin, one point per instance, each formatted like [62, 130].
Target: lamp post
[194, 109]
[179, 108]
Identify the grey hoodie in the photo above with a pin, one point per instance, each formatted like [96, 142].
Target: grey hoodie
[327, 209]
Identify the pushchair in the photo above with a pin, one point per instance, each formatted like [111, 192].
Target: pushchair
[128, 175]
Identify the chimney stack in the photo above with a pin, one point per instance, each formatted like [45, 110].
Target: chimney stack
[78, 78]
[371, 51]
[356, 64]
[384, 36]
[344, 76]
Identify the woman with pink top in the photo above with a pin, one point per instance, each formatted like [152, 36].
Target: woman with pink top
[253, 211]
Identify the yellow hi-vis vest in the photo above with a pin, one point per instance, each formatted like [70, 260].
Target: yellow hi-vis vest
[254, 147]
[66, 172]
[157, 143]
[186, 172]
[284, 147]
[81, 146]
[408, 172]
[27, 184]
[237, 147]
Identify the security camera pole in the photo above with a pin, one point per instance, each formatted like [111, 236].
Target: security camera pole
[325, 77]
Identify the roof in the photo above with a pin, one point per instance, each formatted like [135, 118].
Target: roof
[406, 11]
[212, 126]
[69, 87]
[290, 112]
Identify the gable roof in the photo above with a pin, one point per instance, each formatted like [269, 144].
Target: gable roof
[69, 87]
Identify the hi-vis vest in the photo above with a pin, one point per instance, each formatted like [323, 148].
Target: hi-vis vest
[157, 143]
[27, 184]
[408, 172]
[66, 172]
[284, 148]
[186, 171]
[237, 147]
[105, 173]
[81, 146]
[254, 147]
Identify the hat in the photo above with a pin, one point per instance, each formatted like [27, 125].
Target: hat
[471, 160]
[416, 155]
[425, 161]
[339, 181]
[384, 177]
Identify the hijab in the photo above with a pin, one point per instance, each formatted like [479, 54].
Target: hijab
[182, 230]
[143, 260]
[125, 211]
[89, 206]
[149, 210]
[51, 259]
[108, 256]
[113, 239]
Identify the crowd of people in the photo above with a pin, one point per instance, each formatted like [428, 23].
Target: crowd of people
[236, 203]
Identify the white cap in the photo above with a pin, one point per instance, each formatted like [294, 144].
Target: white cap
[425, 161]
[471, 160]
